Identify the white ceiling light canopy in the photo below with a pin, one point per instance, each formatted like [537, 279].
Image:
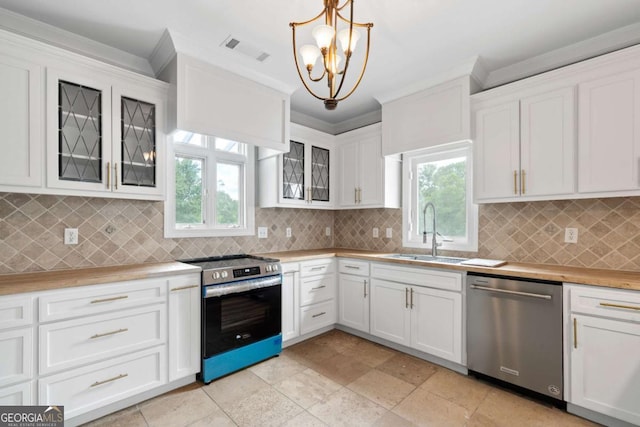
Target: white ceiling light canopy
[326, 36]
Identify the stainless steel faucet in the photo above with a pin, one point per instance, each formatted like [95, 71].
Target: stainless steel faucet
[434, 242]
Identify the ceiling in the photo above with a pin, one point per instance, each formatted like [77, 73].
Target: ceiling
[412, 40]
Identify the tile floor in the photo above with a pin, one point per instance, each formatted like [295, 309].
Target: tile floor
[337, 379]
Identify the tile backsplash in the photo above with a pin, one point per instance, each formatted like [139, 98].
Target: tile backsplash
[114, 231]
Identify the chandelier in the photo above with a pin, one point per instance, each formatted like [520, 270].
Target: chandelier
[325, 36]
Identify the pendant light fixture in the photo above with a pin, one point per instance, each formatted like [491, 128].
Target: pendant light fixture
[335, 27]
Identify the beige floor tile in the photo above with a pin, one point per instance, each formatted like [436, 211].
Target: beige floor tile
[129, 417]
[304, 419]
[217, 419]
[178, 408]
[457, 388]
[229, 390]
[277, 368]
[384, 389]
[339, 341]
[408, 368]
[502, 408]
[371, 354]
[426, 409]
[341, 368]
[310, 352]
[393, 420]
[347, 408]
[307, 388]
[266, 407]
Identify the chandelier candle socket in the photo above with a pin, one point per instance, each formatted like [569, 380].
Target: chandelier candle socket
[326, 36]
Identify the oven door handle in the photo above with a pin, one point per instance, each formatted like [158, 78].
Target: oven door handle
[213, 291]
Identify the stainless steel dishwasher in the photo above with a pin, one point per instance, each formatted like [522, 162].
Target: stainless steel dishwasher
[514, 332]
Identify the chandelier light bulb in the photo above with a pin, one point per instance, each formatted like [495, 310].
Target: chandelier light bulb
[324, 36]
[343, 36]
[336, 64]
[310, 54]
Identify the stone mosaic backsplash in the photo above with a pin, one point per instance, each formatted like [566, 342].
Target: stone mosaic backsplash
[114, 232]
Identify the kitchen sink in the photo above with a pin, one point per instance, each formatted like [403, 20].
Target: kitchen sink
[427, 258]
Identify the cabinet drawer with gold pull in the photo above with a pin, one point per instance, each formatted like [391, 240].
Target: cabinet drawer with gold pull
[70, 343]
[97, 385]
[317, 289]
[605, 302]
[317, 316]
[89, 300]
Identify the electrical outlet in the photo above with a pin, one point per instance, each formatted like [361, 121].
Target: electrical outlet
[263, 232]
[288, 232]
[376, 233]
[389, 233]
[327, 231]
[70, 236]
[571, 235]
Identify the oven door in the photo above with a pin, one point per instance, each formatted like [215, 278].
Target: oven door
[250, 313]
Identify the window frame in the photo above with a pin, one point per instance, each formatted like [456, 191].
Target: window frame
[411, 218]
[211, 156]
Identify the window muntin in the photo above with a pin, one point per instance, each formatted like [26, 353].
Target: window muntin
[210, 191]
[441, 175]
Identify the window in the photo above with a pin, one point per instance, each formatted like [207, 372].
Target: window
[210, 187]
[441, 175]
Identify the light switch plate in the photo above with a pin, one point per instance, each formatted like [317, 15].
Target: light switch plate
[327, 231]
[288, 231]
[376, 232]
[263, 232]
[389, 234]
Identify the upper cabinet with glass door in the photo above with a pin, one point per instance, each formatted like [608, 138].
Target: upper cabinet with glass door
[105, 136]
[303, 177]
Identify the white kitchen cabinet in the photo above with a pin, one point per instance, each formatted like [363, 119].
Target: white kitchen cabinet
[317, 294]
[609, 132]
[105, 136]
[434, 116]
[304, 177]
[21, 120]
[354, 289]
[16, 348]
[317, 316]
[290, 301]
[185, 300]
[419, 308]
[603, 342]
[366, 178]
[213, 101]
[18, 395]
[525, 147]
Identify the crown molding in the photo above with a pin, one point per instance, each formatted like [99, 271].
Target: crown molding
[54, 36]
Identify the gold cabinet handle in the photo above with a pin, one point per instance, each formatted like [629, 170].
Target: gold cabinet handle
[364, 288]
[318, 287]
[96, 301]
[115, 183]
[106, 334]
[181, 288]
[318, 268]
[319, 314]
[355, 195]
[626, 307]
[97, 383]
[411, 299]
[353, 267]
[406, 297]
[575, 333]
[359, 195]
[515, 182]
[108, 175]
[523, 181]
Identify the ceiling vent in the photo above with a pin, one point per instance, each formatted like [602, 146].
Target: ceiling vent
[245, 49]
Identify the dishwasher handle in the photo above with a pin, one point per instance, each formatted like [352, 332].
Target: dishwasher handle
[506, 291]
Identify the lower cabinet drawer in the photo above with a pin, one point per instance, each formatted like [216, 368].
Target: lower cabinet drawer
[317, 316]
[88, 388]
[606, 302]
[17, 394]
[75, 342]
[317, 289]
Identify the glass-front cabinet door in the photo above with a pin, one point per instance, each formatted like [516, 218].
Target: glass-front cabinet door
[306, 175]
[293, 184]
[319, 174]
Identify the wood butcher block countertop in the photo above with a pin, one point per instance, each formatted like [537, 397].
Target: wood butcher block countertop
[588, 276]
[58, 279]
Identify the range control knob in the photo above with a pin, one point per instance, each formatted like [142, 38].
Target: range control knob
[275, 267]
[224, 274]
[216, 275]
[268, 268]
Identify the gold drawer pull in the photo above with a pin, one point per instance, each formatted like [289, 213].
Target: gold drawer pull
[319, 314]
[515, 182]
[96, 301]
[318, 287]
[575, 333]
[184, 287]
[97, 383]
[626, 307]
[352, 267]
[106, 334]
[319, 268]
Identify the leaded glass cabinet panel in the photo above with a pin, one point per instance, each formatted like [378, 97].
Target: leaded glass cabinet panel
[319, 174]
[293, 172]
[138, 143]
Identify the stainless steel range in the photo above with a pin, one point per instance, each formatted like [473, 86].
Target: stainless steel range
[241, 312]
